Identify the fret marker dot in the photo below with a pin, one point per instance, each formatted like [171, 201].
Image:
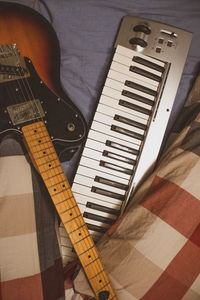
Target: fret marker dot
[54, 189]
[63, 185]
[100, 281]
[49, 165]
[89, 256]
[39, 141]
[79, 234]
[70, 214]
[44, 152]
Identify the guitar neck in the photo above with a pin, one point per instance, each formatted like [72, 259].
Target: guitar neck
[46, 161]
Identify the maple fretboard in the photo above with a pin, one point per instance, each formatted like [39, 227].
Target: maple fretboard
[46, 161]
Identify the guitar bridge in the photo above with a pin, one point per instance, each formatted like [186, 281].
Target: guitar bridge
[12, 64]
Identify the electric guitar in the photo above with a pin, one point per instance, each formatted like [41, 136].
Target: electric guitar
[34, 106]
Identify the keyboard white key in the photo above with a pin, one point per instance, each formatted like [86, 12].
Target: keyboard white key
[108, 132]
[84, 208]
[102, 146]
[116, 85]
[125, 70]
[92, 173]
[78, 188]
[124, 60]
[108, 108]
[130, 53]
[84, 199]
[98, 156]
[118, 76]
[109, 120]
[103, 138]
[80, 179]
[114, 102]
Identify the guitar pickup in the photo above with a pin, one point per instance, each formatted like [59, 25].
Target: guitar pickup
[26, 111]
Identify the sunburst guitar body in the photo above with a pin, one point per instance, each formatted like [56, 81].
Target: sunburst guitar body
[30, 86]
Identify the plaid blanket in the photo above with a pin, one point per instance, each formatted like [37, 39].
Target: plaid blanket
[152, 252]
[31, 267]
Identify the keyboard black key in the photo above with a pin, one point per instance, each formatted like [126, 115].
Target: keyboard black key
[119, 157]
[127, 132]
[137, 97]
[113, 183]
[130, 122]
[121, 147]
[145, 73]
[135, 107]
[96, 228]
[98, 218]
[148, 63]
[107, 193]
[115, 167]
[140, 88]
[103, 208]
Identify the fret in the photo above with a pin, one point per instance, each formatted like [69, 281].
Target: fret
[50, 165]
[41, 147]
[96, 264]
[53, 176]
[88, 257]
[44, 152]
[83, 247]
[75, 223]
[55, 180]
[54, 172]
[65, 205]
[38, 141]
[56, 189]
[35, 136]
[100, 282]
[45, 158]
[78, 234]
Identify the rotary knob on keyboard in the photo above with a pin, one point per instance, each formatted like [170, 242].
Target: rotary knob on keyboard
[141, 31]
[138, 42]
[142, 28]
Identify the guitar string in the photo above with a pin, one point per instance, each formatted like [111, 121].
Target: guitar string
[3, 59]
[27, 87]
[17, 87]
[6, 62]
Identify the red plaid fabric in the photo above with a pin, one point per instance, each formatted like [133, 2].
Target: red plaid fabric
[153, 251]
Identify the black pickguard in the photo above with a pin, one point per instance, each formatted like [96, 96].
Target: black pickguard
[63, 120]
